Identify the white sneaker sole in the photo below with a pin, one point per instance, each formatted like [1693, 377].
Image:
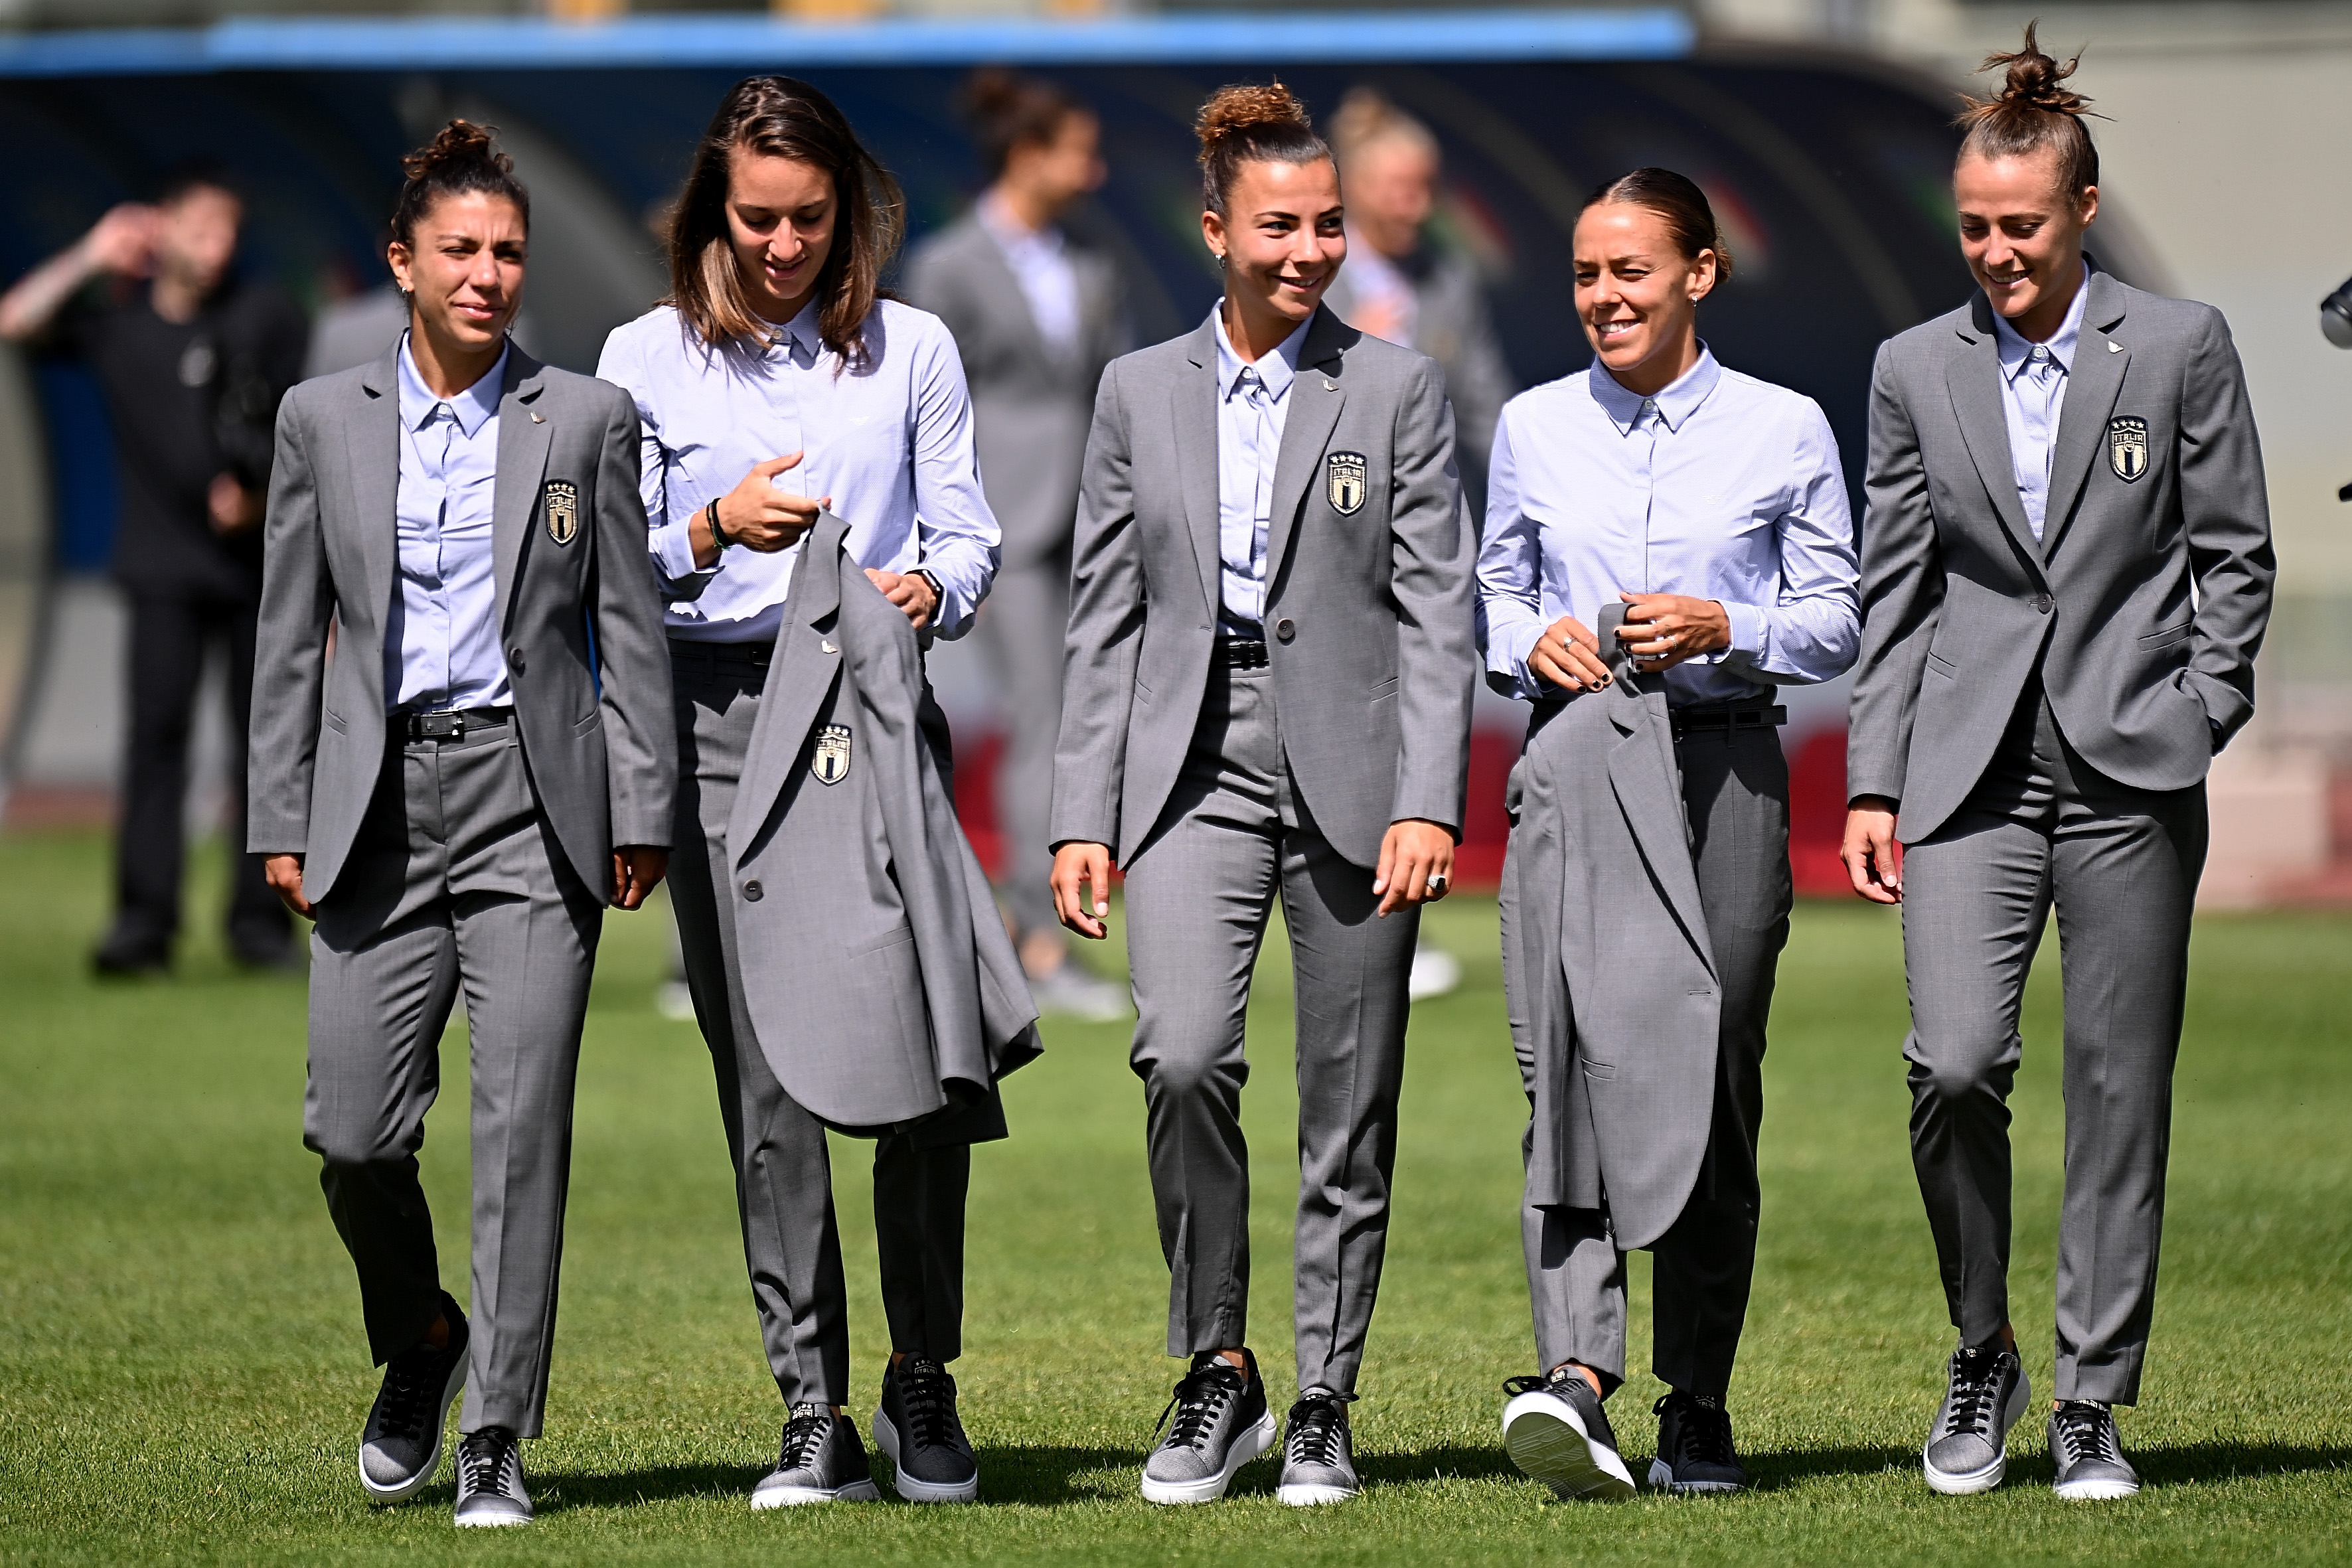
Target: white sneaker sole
[1248, 1446]
[432, 1465]
[1661, 1479]
[1546, 1439]
[1969, 1483]
[1302, 1494]
[2095, 1491]
[492, 1521]
[909, 1487]
[767, 1498]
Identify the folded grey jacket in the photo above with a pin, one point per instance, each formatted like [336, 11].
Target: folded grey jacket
[882, 986]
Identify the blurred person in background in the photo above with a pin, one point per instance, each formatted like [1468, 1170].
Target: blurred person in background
[193, 365]
[1036, 315]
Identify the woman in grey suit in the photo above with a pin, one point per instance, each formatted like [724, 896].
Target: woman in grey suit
[1268, 692]
[780, 393]
[1035, 315]
[1666, 540]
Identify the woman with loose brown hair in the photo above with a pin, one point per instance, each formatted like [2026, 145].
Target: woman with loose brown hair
[1667, 541]
[1268, 693]
[2067, 568]
[779, 390]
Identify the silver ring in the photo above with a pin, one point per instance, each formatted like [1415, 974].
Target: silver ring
[1437, 886]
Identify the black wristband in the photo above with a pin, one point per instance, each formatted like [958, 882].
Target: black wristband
[937, 597]
[717, 529]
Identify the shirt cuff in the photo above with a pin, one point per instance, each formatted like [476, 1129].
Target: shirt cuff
[1750, 633]
[673, 549]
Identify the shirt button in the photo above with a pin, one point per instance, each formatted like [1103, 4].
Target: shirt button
[2042, 603]
[1283, 631]
[752, 891]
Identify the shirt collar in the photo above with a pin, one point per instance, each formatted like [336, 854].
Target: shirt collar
[471, 407]
[2015, 351]
[1675, 403]
[1275, 369]
[1010, 234]
[801, 333]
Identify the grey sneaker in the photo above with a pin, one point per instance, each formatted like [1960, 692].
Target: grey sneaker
[1221, 1423]
[821, 1461]
[1695, 1448]
[2088, 1454]
[1075, 992]
[1555, 1430]
[915, 1425]
[1967, 1449]
[490, 1480]
[400, 1448]
[1319, 1456]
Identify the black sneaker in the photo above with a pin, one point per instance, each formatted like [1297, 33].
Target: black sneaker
[1695, 1449]
[490, 1480]
[400, 1448]
[1221, 1423]
[821, 1461]
[1555, 1430]
[1319, 1456]
[2088, 1454]
[129, 950]
[915, 1425]
[1967, 1449]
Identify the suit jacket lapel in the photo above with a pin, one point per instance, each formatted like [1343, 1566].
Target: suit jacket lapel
[2093, 382]
[1009, 301]
[1195, 406]
[373, 447]
[798, 682]
[1316, 400]
[523, 438]
[1647, 782]
[1974, 376]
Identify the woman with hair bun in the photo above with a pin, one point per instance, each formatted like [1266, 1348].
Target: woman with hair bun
[1268, 693]
[484, 763]
[2067, 572]
[816, 519]
[1666, 541]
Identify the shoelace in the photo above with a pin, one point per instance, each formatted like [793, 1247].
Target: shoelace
[1314, 1435]
[1702, 1431]
[409, 1392]
[926, 1393]
[2086, 1432]
[805, 1436]
[1976, 1387]
[489, 1461]
[1199, 1402]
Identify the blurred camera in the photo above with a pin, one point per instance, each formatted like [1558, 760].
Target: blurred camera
[2336, 316]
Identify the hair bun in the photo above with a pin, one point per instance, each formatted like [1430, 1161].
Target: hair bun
[1240, 111]
[2036, 80]
[991, 90]
[460, 144]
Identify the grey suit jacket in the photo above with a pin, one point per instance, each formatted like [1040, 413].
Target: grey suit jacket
[1606, 963]
[579, 617]
[1368, 598]
[1029, 403]
[1455, 328]
[880, 980]
[2142, 604]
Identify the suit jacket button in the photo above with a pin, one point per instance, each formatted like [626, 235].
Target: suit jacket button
[1283, 631]
[752, 892]
[2042, 603]
[514, 659]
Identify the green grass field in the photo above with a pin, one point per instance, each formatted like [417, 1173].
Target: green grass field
[181, 1375]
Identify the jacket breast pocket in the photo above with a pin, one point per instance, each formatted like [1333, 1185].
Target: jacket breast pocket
[2169, 635]
[1937, 664]
[590, 725]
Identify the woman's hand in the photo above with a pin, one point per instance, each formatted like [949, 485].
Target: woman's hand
[1569, 656]
[910, 591]
[1873, 855]
[1416, 864]
[1080, 870]
[1660, 630]
[757, 515]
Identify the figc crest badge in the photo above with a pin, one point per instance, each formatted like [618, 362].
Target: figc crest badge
[562, 511]
[831, 763]
[2128, 447]
[1349, 477]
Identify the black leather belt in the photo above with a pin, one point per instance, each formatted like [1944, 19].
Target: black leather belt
[451, 723]
[1722, 720]
[1241, 653]
[725, 654]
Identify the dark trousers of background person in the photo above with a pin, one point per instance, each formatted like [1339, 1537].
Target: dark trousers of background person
[170, 638]
[1021, 629]
[1736, 800]
[2045, 829]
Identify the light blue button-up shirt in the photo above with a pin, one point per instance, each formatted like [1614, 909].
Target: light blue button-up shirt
[2032, 394]
[1722, 487]
[1253, 403]
[890, 442]
[441, 641]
